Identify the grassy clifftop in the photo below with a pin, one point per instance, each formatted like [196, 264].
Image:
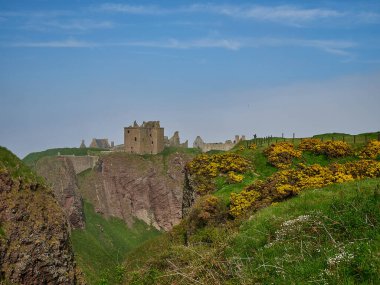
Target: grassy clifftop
[328, 233]
[323, 236]
[33, 157]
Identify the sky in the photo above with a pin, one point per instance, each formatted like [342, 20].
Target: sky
[77, 69]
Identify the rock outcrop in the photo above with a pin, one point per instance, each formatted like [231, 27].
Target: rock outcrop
[131, 186]
[61, 174]
[34, 238]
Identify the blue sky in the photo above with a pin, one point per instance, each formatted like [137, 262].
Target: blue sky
[72, 70]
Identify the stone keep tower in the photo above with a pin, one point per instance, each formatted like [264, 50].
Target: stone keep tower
[145, 139]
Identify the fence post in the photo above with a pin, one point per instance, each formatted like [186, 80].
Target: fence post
[294, 135]
[322, 139]
[343, 139]
[378, 136]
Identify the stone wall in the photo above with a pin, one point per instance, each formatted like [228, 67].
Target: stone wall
[81, 163]
[205, 147]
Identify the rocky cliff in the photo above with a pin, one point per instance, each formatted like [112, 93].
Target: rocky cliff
[34, 238]
[61, 174]
[149, 188]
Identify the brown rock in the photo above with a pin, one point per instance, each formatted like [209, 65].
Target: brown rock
[130, 186]
[34, 244]
[60, 173]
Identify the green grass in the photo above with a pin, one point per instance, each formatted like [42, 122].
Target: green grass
[32, 158]
[102, 246]
[294, 242]
[170, 150]
[17, 168]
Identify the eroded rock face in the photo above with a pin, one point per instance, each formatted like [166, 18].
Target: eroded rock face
[60, 173]
[128, 186]
[34, 240]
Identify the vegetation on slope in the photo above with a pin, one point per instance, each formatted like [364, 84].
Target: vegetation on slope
[323, 236]
[101, 248]
[317, 236]
[17, 168]
[32, 158]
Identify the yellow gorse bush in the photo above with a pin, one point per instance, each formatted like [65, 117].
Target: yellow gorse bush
[213, 165]
[282, 154]
[290, 182]
[332, 149]
[252, 146]
[235, 178]
[311, 144]
[371, 150]
[205, 167]
[242, 201]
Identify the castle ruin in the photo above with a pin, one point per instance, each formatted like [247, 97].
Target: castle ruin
[174, 141]
[145, 139]
[100, 143]
[227, 145]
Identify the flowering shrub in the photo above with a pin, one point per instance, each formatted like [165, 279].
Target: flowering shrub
[334, 149]
[213, 165]
[252, 146]
[289, 182]
[311, 144]
[207, 209]
[205, 167]
[281, 154]
[242, 201]
[241, 148]
[235, 178]
[371, 150]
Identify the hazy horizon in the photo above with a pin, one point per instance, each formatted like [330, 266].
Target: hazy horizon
[73, 70]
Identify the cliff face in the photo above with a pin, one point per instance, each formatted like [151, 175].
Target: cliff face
[128, 186]
[34, 239]
[189, 193]
[60, 173]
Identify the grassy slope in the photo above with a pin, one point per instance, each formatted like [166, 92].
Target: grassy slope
[16, 167]
[102, 246]
[299, 241]
[33, 157]
[323, 224]
[340, 220]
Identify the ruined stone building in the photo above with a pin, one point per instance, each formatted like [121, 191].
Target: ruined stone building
[227, 145]
[174, 141]
[100, 143]
[82, 145]
[145, 139]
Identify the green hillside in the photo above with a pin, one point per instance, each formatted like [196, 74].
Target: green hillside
[327, 233]
[323, 236]
[102, 246]
[16, 167]
[33, 157]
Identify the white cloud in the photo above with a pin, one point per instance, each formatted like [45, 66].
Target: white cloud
[269, 13]
[283, 14]
[70, 25]
[133, 9]
[341, 48]
[187, 44]
[330, 46]
[55, 44]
